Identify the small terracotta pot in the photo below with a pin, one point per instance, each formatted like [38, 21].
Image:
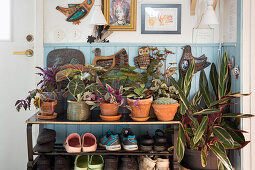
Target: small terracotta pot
[109, 109]
[141, 109]
[48, 107]
[165, 112]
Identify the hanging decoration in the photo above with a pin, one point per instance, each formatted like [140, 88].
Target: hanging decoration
[76, 12]
[200, 62]
[100, 34]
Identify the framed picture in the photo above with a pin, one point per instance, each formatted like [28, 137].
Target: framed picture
[161, 19]
[120, 14]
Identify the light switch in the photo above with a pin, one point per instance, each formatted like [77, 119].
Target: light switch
[59, 34]
[76, 34]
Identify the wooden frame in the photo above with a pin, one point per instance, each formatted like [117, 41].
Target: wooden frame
[177, 6]
[133, 14]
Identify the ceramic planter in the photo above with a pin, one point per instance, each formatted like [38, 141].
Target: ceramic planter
[77, 111]
[165, 112]
[192, 160]
[141, 108]
[109, 109]
[48, 107]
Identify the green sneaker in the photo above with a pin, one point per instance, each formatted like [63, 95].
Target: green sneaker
[96, 162]
[81, 162]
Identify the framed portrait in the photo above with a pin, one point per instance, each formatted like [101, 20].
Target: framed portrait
[161, 19]
[120, 14]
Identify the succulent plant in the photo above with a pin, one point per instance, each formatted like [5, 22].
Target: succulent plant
[165, 100]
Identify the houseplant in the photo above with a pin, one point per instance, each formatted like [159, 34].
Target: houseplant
[206, 131]
[79, 77]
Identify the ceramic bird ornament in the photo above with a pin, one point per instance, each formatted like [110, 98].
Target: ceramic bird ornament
[200, 62]
[76, 12]
[143, 59]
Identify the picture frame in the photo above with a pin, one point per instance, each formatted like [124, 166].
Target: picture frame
[161, 19]
[121, 14]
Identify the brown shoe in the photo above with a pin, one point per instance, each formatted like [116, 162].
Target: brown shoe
[111, 163]
[128, 163]
[46, 136]
[43, 163]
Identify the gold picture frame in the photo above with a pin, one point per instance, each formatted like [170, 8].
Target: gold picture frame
[127, 21]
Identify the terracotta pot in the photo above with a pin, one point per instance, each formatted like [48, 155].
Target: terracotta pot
[62, 102]
[165, 112]
[78, 111]
[48, 107]
[109, 109]
[141, 109]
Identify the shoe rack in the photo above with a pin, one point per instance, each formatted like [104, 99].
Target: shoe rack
[59, 149]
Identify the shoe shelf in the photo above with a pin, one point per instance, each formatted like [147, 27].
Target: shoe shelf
[95, 120]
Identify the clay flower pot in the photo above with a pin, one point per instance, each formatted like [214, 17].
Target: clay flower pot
[48, 107]
[109, 109]
[140, 108]
[78, 111]
[165, 112]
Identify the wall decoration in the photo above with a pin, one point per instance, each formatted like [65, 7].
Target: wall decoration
[110, 62]
[76, 12]
[143, 59]
[60, 57]
[161, 19]
[200, 62]
[120, 14]
[100, 34]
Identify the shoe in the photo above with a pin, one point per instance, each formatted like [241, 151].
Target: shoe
[61, 163]
[110, 141]
[128, 163]
[129, 141]
[96, 162]
[43, 163]
[89, 142]
[162, 164]
[46, 136]
[111, 163]
[81, 162]
[44, 148]
[146, 163]
[160, 140]
[73, 143]
[146, 142]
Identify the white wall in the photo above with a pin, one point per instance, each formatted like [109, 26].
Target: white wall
[54, 20]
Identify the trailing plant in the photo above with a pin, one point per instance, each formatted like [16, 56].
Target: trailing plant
[165, 100]
[210, 126]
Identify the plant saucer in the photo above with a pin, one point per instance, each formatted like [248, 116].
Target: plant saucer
[47, 117]
[111, 118]
[140, 119]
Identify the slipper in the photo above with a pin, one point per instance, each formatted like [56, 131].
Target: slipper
[46, 136]
[73, 143]
[81, 162]
[96, 162]
[89, 142]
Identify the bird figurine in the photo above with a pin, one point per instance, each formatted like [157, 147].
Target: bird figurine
[200, 62]
[76, 12]
[143, 59]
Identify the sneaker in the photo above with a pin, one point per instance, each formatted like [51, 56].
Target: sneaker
[96, 162]
[129, 141]
[110, 141]
[146, 163]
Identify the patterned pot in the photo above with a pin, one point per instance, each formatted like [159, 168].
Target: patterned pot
[77, 111]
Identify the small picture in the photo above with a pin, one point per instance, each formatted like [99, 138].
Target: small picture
[161, 19]
[120, 14]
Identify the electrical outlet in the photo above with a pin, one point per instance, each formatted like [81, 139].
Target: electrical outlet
[76, 34]
[59, 34]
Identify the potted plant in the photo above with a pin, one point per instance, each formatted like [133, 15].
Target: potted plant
[206, 131]
[79, 77]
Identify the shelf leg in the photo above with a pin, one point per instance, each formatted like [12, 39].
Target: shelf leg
[176, 165]
[29, 147]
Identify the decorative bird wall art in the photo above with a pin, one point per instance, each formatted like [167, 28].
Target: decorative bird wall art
[143, 59]
[200, 62]
[76, 12]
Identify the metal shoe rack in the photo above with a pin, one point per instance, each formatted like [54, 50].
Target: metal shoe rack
[59, 150]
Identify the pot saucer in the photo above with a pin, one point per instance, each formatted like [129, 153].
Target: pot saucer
[47, 117]
[111, 118]
[140, 119]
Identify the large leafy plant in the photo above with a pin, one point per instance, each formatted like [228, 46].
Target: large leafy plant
[138, 91]
[209, 126]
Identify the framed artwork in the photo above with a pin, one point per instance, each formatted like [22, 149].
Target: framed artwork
[161, 19]
[120, 14]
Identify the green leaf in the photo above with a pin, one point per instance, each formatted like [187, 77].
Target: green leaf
[182, 109]
[142, 86]
[221, 101]
[189, 131]
[188, 78]
[138, 92]
[207, 111]
[131, 95]
[201, 129]
[197, 98]
[237, 115]
[204, 89]
[214, 79]
[194, 120]
[203, 157]
[223, 76]
[181, 79]
[223, 135]
[76, 86]
[221, 155]
[181, 143]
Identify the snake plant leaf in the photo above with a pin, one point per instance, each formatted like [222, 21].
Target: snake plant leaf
[207, 111]
[188, 78]
[236, 115]
[221, 155]
[223, 136]
[214, 77]
[201, 129]
[223, 76]
[204, 89]
[181, 144]
[76, 87]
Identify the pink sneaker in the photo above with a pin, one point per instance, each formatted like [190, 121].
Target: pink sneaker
[73, 143]
[89, 142]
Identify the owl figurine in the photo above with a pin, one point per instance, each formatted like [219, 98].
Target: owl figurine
[143, 59]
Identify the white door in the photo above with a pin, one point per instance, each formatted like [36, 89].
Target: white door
[16, 79]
